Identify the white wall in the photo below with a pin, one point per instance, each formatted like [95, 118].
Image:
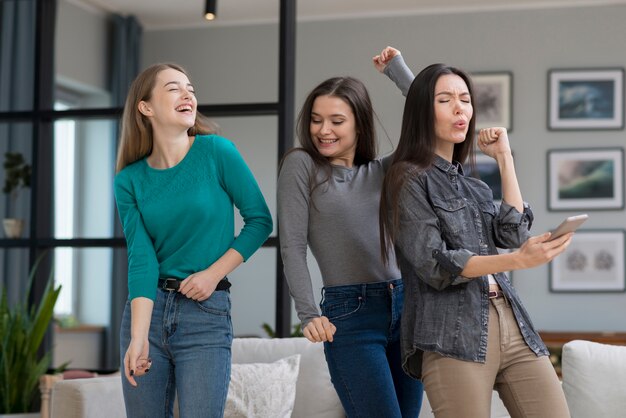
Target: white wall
[240, 64]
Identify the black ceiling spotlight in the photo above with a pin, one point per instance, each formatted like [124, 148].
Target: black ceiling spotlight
[210, 8]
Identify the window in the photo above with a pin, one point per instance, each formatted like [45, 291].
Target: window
[84, 158]
[64, 172]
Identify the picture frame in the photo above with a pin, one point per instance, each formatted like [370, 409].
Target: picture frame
[593, 262]
[493, 99]
[585, 179]
[487, 170]
[586, 99]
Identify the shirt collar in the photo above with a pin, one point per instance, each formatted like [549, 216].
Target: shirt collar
[446, 166]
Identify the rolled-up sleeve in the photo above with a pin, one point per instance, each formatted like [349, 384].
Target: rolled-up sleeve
[511, 227]
[419, 240]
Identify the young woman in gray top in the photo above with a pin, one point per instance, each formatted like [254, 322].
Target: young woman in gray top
[328, 198]
[464, 328]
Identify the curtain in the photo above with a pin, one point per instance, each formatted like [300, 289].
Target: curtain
[125, 57]
[17, 65]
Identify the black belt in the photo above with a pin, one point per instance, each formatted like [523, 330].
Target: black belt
[171, 284]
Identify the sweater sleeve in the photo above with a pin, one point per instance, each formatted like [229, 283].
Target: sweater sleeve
[143, 267]
[240, 184]
[293, 214]
[399, 73]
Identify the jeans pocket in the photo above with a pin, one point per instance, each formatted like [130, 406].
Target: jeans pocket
[217, 304]
[342, 308]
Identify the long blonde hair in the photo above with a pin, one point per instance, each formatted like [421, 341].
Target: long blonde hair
[136, 138]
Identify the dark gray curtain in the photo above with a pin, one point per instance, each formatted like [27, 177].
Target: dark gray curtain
[17, 64]
[125, 57]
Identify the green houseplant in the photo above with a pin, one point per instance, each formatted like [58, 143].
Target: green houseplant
[296, 330]
[22, 329]
[17, 175]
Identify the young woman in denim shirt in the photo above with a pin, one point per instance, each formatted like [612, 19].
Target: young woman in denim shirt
[328, 198]
[464, 328]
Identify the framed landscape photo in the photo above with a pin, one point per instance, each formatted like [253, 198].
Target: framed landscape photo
[590, 179]
[493, 99]
[487, 170]
[593, 262]
[586, 99]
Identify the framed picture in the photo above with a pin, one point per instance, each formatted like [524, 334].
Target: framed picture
[487, 170]
[586, 99]
[594, 262]
[493, 99]
[590, 179]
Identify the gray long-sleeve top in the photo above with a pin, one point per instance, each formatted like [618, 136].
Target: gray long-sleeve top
[338, 221]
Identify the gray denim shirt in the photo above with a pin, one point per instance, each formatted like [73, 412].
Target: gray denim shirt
[445, 219]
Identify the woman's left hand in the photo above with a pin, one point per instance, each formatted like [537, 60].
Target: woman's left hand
[199, 286]
[494, 142]
[381, 60]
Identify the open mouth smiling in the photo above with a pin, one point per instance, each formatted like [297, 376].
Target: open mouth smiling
[184, 108]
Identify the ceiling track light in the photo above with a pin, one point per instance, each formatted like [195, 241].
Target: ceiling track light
[210, 9]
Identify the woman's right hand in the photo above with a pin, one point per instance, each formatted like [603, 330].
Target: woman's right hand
[319, 330]
[381, 60]
[539, 249]
[136, 360]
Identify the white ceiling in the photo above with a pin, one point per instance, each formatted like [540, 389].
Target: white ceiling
[171, 14]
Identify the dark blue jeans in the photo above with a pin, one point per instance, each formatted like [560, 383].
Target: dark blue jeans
[364, 357]
[190, 345]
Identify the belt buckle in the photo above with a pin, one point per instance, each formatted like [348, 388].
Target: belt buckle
[169, 284]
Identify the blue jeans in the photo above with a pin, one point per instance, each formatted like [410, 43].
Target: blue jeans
[364, 358]
[190, 350]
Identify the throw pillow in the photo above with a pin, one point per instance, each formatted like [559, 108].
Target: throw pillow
[263, 390]
[594, 378]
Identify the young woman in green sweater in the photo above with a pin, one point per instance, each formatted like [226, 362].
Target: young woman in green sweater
[175, 191]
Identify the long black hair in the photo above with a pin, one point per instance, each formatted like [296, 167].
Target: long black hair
[416, 147]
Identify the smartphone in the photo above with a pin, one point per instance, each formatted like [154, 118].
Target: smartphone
[570, 224]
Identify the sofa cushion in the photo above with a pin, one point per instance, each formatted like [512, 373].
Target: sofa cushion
[594, 378]
[263, 389]
[98, 397]
[315, 394]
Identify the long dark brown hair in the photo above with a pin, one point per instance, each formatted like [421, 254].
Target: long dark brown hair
[354, 93]
[416, 147]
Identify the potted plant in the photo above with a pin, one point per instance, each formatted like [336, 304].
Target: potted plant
[22, 328]
[296, 330]
[17, 176]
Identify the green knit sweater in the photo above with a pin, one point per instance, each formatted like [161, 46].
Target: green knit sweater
[180, 220]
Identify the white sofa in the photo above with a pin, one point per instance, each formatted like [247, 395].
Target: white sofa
[315, 397]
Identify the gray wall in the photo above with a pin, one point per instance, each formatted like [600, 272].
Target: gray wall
[81, 48]
[239, 64]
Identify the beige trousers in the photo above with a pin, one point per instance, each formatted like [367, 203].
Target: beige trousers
[527, 384]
